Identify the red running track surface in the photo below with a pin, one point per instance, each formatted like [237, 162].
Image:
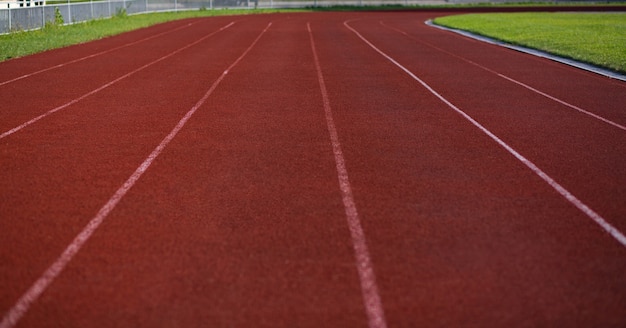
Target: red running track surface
[321, 169]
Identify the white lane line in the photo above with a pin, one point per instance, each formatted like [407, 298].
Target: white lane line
[54, 110]
[562, 102]
[614, 232]
[94, 55]
[369, 289]
[20, 308]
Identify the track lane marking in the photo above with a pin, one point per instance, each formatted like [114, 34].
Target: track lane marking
[597, 218]
[562, 102]
[19, 309]
[369, 288]
[110, 83]
[94, 55]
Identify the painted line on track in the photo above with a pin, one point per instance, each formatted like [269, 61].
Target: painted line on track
[20, 308]
[510, 79]
[92, 92]
[369, 288]
[614, 232]
[94, 55]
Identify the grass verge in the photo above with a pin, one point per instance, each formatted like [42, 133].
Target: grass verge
[594, 38]
[54, 36]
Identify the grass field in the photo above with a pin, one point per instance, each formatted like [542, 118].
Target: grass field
[595, 38]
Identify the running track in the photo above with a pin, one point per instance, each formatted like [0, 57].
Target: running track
[328, 169]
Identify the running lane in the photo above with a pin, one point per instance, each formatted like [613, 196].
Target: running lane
[243, 213]
[32, 86]
[17, 69]
[238, 222]
[581, 135]
[58, 172]
[461, 233]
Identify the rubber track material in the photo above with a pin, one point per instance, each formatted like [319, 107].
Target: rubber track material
[336, 169]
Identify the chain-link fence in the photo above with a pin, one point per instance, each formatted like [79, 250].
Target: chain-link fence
[34, 17]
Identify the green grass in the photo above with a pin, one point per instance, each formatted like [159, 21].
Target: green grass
[595, 38]
[53, 36]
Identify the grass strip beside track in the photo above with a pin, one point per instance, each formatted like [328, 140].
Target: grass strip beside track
[595, 38]
[25, 43]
